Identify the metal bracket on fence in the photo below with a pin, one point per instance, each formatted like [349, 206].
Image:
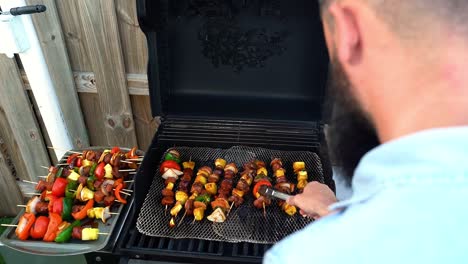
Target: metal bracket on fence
[12, 32]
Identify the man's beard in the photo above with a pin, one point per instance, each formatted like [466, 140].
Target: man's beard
[350, 132]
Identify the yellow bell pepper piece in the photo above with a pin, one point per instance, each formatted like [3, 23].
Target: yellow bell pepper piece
[181, 196]
[263, 171]
[198, 213]
[220, 163]
[188, 165]
[200, 179]
[89, 234]
[298, 166]
[211, 188]
[108, 170]
[176, 209]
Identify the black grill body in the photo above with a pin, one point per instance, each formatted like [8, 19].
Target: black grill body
[221, 74]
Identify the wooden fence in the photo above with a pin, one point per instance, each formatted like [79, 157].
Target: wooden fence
[94, 50]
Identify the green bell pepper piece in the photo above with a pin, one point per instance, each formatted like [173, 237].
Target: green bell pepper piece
[90, 182]
[66, 234]
[205, 198]
[72, 185]
[67, 208]
[93, 168]
[169, 156]
[59, 172]
[77, 170]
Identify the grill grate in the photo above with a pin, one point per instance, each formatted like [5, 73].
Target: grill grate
[244, 224]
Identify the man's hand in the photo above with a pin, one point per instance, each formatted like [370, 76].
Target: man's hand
[314, 201]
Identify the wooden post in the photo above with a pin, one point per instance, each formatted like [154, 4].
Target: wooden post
[10, 194]
[18, 125]
[49, 32]
[102, 42]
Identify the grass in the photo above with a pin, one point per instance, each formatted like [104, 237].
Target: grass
[4, 220]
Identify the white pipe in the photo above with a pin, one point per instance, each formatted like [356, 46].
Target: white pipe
[41, 84]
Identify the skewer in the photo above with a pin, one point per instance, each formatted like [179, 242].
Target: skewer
[30, 182]
[70, 151]
[183, 216]
[114, 213]
[9, 225]
[104, 234]
[127, 190]
[45, 167]
[129, 181]
[21, 205]
[264, 210]
[62, 164]
[32, 193]
[133, 172]
[125, 161]
[232, 204]
[42, 176]
[127, 170]
[125, 193]
[193, 221]
[133, 160]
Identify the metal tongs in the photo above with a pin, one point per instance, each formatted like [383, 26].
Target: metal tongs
[267, 191]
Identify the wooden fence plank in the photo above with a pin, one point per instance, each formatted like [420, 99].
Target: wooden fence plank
[51, 39]
[146, 126]
[102, 42]
[85, 82]
[10, 194]
[93, 116]
[132, 38]
[71, 26]
[25, 141]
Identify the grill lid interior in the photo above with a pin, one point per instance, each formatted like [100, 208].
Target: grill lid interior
[235, 59]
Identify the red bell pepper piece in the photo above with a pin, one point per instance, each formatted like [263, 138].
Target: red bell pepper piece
[39, 228]
[57, 206]
[99, 172]
[79, 162]
[168, 164]
[54, 221]
[59, 187]
[117, 194]
[83, 212]
[115, 150]
[24, 225]
[71, 157]
[260, 183]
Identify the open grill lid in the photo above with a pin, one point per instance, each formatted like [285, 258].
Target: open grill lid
[249, 59]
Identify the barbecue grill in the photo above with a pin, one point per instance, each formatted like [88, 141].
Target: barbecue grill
[240, 78]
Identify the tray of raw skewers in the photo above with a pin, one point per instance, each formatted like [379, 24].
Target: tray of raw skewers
[75, 206]
[214, 194]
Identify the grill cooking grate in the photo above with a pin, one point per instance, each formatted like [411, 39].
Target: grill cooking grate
[244, 224]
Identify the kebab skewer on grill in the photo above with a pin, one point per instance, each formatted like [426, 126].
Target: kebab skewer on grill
[261, 179]
[200, 203]
[181, 195]
[302, 177]
[170, 171]
[243, 185]
[198, 193]
[221, 205]
[283, 185]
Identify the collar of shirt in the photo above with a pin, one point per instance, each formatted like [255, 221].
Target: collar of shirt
[419, 158]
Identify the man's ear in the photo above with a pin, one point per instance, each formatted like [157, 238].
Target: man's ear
[346, 33]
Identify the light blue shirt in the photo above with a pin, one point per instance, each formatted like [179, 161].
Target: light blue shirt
[409, 205]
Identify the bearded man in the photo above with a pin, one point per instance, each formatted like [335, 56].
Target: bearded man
[399, 129]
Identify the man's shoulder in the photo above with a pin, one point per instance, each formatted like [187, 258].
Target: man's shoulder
[320, 240]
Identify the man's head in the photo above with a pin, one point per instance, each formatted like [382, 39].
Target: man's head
[397, 67]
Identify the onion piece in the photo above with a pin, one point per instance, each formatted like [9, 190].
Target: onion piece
[31, 206]
[170, 173]
[104, 185]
